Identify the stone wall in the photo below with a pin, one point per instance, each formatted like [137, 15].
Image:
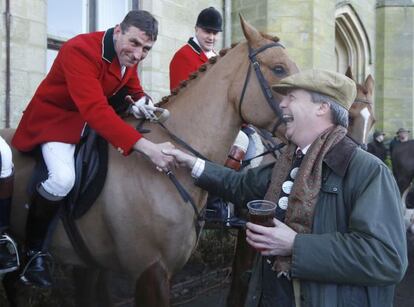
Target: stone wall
[395, 67]
[27, 54]
[306, 27]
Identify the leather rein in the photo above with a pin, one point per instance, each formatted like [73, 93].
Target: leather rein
[264, 85]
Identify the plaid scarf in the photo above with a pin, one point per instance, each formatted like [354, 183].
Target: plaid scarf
[304, 194]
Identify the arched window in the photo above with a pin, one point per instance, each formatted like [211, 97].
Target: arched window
[352, 46]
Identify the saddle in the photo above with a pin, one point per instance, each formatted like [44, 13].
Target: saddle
[91, 164]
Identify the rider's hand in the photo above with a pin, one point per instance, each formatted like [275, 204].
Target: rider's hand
[182, 158]
[142, 108]
[154, 152]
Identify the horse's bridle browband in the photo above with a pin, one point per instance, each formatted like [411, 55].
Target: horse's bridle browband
[264, 85]
[362, 100]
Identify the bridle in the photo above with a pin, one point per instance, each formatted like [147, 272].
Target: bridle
[274, 105]
[364, 101]
[264, 85]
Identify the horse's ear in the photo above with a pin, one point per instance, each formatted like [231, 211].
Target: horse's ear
[370, 83]
[348, 73]
[252, 35]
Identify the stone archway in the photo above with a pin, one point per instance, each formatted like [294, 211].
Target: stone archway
[352, 46]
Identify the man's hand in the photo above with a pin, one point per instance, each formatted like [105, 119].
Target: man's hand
[182, 158]
[154, 153]
[142, 108]
[273, 241]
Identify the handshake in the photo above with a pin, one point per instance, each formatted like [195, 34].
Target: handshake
[144, 108]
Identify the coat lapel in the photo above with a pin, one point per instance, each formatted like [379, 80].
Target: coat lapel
[109, 54]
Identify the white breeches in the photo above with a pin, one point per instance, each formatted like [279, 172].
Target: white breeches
[6, 159]
[60, 162]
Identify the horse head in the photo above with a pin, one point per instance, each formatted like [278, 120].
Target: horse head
[361, 113]
[267, 63]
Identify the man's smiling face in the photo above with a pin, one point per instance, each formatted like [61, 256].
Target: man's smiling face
[132, 45]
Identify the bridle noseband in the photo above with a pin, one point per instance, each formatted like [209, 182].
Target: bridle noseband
[264, 85]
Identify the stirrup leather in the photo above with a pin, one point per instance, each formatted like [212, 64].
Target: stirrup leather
[12, 247]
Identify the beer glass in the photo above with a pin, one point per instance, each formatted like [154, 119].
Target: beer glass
[261, 212]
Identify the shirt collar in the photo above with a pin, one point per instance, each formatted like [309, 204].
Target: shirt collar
[304, 149]
[194, 42]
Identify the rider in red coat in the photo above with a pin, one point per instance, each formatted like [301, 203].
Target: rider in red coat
[198, 49]
[88, 70]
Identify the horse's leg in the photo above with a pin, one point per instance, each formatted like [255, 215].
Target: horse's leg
[242, 264]
[152, 288]
[90, 288]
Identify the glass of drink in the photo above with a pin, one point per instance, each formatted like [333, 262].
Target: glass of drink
[261, 212]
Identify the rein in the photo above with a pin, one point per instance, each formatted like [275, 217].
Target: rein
[264, 85]
[180, 188]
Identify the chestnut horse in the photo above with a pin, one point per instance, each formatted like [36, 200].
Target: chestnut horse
[361, 113]
[140, 225]
[361, 120]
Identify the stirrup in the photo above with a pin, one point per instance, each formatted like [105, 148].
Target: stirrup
[228, 221]
[38, 254]
[12, 247]
[235, 222]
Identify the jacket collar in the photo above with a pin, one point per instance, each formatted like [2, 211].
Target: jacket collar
[194, 45]
[108, 47]
[339, 157]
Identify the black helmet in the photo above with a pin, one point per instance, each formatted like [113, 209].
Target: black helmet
[210, 19]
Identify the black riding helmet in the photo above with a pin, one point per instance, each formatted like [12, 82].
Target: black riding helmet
[210, 19]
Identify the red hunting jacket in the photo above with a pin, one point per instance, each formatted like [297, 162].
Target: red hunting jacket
[85, 74]
[185, 61]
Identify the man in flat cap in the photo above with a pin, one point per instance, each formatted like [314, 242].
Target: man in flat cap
[402, 135]
[377, 147]
[338, 237]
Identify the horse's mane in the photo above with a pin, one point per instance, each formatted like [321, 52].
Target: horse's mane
[205, 66]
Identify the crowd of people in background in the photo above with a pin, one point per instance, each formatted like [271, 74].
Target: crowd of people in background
[378, 147]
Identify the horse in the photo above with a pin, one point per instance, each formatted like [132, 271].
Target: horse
[139, 224]
[361, 113]
[361, 120]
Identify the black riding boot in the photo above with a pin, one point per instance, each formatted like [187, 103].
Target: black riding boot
[8, 259]
[41, 215]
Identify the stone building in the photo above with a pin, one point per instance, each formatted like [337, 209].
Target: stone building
[373, 36]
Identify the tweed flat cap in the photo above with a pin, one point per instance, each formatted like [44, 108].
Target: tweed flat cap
[332, 84]
[402, 130]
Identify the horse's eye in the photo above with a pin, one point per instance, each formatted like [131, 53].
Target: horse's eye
[279, 71]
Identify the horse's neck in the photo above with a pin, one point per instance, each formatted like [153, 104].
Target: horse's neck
[203, 113]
